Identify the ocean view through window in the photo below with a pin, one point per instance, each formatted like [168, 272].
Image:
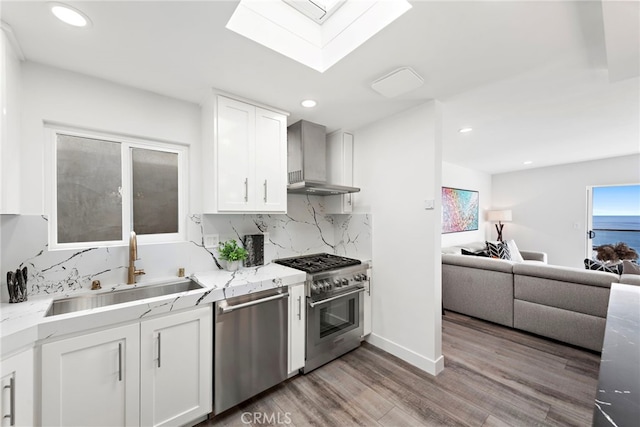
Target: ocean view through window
[616, 215]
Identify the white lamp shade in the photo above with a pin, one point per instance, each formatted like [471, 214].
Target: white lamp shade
[495, 216]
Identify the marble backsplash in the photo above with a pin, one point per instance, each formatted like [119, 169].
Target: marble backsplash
[305, 229]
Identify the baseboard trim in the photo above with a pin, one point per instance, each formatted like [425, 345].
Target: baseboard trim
[433, 367]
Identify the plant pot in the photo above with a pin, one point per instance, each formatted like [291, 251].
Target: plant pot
[233, 265]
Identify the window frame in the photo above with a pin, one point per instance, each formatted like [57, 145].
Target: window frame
[126, 142]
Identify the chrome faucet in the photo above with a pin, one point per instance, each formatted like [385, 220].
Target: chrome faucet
[133, 256]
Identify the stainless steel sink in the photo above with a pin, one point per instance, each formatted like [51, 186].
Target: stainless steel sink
[88, 301]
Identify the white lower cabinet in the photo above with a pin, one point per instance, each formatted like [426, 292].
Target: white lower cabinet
[16, 382]
[92, 379]
[155, 372]
[297, 322]
[367, 305]
[175, 368]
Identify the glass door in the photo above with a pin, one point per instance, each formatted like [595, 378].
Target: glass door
[613, 218]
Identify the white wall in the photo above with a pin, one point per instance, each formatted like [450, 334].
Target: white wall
[550, 204]
[468, 179]
[397, 164]
[54, 95]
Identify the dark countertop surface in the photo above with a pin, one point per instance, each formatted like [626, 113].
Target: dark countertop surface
[618, 397]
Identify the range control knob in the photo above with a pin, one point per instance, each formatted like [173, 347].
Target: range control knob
[345, 282]
[315, 288]
[337, 283]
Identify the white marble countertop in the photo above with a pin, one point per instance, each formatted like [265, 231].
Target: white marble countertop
[23, 324]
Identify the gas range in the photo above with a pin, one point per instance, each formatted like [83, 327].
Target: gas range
[328, 275]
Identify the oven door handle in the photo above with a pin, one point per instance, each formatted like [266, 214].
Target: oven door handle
[313, 304]
[227, 308]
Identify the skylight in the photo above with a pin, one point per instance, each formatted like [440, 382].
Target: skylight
[344, 25]
[316, 10]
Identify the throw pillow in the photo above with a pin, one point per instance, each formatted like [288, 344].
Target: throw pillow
[590, 264]
[513, 250]
[477, 253]
[630, 267]
[498, 250]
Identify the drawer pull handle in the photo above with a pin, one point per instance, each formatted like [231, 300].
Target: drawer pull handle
[159, 349]
[119, 361]
[12, 401]
[265, 191]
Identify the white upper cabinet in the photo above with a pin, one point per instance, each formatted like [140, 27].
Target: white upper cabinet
[340, 170]
[244, 157]
[271, 161]
[10, 87]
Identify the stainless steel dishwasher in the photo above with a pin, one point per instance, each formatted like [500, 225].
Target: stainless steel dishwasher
[251, 336]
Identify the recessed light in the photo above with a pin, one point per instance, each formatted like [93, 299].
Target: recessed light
[308, 103]
[465, 130]
[69, 15]
[527, 162]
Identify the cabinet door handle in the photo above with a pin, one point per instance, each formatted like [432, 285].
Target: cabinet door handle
[12, 401]
[246, 189]
[159, 349]
[349, 199]
[299, 308]
[119, 361]
[265, 191]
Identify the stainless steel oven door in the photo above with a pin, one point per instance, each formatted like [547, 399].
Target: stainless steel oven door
[334, 327]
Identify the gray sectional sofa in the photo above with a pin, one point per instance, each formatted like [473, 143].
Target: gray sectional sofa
[563, 303]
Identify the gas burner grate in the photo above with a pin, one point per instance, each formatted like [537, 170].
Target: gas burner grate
[317, 263]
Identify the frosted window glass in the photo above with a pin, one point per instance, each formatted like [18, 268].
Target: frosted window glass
[89, 182]
[155, 191]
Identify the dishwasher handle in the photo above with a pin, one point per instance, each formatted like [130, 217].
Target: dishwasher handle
[225, 308]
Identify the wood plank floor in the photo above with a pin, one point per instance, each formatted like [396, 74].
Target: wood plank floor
[494, 376]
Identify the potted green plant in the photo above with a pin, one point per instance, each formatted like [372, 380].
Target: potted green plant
[232, 254]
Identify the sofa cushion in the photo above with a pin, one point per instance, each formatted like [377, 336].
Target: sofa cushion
[591, 300]
[476, 253]
[590, 264]
[630, 267]
[574, 328]
[482, 263]
[471, 247]
[453, 250]
[566, 274]
[630, 279]
[498, 250]
[479, 293]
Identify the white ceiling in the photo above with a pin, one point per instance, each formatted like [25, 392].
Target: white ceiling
[531, 78]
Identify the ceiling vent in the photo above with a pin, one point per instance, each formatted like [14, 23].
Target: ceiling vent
[317, 10]
[397, 82]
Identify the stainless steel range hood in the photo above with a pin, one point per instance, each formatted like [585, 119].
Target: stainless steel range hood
[307, 161]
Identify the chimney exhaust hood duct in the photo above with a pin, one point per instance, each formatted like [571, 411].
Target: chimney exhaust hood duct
[307, 161]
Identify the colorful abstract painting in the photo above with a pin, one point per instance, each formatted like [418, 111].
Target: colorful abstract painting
[459, 210]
